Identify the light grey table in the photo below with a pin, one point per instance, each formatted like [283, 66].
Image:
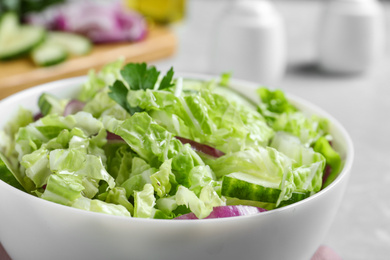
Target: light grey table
[361, 229]
[361, 103]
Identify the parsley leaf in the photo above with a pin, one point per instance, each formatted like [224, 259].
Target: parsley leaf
[166, 82]
[139, 76]
[119, 95]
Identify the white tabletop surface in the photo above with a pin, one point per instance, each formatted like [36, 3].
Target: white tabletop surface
[361, 229]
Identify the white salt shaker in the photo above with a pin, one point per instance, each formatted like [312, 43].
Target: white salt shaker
[249, 42]
[351, 36]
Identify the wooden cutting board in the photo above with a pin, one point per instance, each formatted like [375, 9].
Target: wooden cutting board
[20, 74]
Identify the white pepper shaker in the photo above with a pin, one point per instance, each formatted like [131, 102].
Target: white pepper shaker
[249, 42]
[351, 36]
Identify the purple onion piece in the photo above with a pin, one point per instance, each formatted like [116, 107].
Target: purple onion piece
[37, 116]
[227, 211]
[202, 147]
[326, 174]
[113, 137]
[73, 107]
[101, 22]
[59, 22]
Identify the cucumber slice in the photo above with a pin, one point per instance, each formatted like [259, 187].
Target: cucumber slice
[8, 24]
[247, 187]
[73, 43]
[48, 54]
[17, 40]
[7, 175]
[49, 104]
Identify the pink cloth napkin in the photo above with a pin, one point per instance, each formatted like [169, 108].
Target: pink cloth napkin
[323, 253]
[3, 254]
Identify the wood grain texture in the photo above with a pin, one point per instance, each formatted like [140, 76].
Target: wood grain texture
[20, 74]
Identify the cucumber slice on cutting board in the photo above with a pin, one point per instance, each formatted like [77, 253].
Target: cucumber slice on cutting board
[45, 48]
[17, 40]
[58, 46]
[48, 54]
[247, 187]
[73, 43]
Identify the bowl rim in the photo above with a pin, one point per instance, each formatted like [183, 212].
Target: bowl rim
[234, 83]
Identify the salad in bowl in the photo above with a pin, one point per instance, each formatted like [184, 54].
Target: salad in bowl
[137, 144]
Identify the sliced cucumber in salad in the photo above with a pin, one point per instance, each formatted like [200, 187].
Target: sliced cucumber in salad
[17, 40]
[49, 104]
[247, 187]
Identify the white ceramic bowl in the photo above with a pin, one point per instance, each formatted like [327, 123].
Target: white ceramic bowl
[33, 228]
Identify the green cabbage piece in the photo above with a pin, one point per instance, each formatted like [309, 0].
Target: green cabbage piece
[32, 136]
[118, 196]
[98, 81]
[144, 202]
[201, 206]
[63, 188]
[308, 165]
[205, 117]
[281, 115]
[22, 118]
[99, 206]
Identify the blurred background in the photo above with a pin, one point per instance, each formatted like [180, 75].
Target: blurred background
[255, 40]
[334, 53]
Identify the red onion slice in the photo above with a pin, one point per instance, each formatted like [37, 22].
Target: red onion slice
[227, 211]
[100, 22]
[38, 116]
[202, 147]
[73, 107]
[113, 137]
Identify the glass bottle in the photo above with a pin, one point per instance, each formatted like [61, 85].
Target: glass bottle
[160, 11]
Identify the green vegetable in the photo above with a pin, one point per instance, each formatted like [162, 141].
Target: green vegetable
[137, 76]
[246, 187]
[9, 6]
[63, 188]
[201, 206]
[267, 165]
[144, 202]
[7, 174]
[45, 48]
[73, 44]
[333, 158]
[307, 165]
[22, 7]
[17, 40]
[49, 104]
[281, 115]
[48, 54]
[58, 46]
[98, 81]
